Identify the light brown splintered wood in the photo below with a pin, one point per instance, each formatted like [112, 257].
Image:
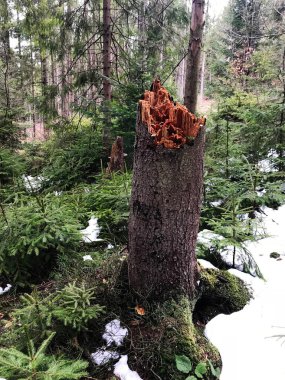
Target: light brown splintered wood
[170, 123]
[166, 198]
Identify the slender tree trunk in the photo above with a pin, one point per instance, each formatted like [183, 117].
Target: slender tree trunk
[44, 83]
[164, 214]
[20, 52]
[107, 89]
[194, 54]
[33, 89]
[5, 37]
[280, 135]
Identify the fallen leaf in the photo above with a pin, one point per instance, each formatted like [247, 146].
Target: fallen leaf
[140, 310]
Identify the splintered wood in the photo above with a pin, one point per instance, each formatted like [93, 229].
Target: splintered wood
[169, 122]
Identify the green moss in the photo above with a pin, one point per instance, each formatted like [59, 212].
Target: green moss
[221, 292]
[169, 331]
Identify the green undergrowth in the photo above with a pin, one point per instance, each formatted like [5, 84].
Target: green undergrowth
[98, 292]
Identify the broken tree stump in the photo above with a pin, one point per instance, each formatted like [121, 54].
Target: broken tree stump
[166, 197]
[117, 162]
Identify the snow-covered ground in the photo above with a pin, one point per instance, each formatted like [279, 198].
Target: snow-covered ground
[248, 340]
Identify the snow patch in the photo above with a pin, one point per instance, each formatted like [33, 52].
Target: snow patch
[5, 290]
[101, 357]
[110, 246]
[91, 233]
[32, 183]
[114, 333]
[255, 335]
[123, 371]
[206, 264]
[87, 258]
[206, 238]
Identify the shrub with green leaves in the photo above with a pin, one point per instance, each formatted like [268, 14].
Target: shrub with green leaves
[37, 365]
[32, 232]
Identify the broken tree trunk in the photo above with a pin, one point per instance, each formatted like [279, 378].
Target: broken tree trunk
[166, 197]
[117, 162]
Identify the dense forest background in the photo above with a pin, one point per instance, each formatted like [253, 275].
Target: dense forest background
[71, 75]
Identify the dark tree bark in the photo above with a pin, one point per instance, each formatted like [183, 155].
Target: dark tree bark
[194, 55]
[164, 215]
[107, 89]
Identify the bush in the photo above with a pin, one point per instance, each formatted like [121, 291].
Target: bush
[109, 199]
[37, 365]
[32, 232]
[11, 166]
[73, 157]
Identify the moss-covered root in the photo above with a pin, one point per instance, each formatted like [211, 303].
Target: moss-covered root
[221, 292]
[169, 332]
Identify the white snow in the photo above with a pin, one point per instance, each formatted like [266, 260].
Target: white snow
[32, 183]
[217, 203]
[87, 258]
[91, 233]
[243, 259]
[250, 341]
[206, 238]
[101, 357]
[123, 371]
[5, 290]
[266, 165]
[206, 264]
[114, 333]
[110, 246]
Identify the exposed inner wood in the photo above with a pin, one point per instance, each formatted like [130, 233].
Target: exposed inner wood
[169, 122]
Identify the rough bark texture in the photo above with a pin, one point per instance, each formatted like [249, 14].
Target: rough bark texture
[194, 55]
[164, 215]
[107, 90]
[117, 162]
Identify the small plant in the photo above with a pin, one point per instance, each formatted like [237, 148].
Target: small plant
[32, 232]
[73, 306]
[37, 365]
[184, 365]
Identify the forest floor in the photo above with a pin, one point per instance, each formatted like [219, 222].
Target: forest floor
[251, 341]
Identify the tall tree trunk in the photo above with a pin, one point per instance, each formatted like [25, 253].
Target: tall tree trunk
[5, 37]
[33, 89]
[194, 55]
[202, 81]
[44, 83]
[165, 209]
[107, 89]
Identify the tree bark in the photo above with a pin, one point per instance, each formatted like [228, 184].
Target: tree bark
[107, 89]
[164, 215]
[194, 55]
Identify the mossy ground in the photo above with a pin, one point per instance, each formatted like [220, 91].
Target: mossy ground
[221, 292]
[169, 328]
